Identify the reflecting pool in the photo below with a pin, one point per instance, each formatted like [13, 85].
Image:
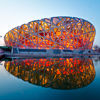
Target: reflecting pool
[50, 79]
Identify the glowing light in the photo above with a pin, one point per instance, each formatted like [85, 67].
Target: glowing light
[53, 33]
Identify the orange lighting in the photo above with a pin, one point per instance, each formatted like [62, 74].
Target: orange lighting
[53, 33]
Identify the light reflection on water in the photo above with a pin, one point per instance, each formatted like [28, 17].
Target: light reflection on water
[50, 79]
[55, 73]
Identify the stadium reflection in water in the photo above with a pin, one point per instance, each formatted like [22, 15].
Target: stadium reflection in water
[56, 73]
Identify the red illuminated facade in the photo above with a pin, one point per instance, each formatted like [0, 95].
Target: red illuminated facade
[53, 33]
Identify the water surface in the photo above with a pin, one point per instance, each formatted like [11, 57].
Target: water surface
[50, 78]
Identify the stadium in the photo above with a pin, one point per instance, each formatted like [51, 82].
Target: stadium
[55, 33]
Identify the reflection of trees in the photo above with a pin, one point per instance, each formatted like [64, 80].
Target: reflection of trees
[59, 73]
[96, 58]
[96, 48]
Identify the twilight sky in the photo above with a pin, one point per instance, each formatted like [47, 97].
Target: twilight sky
[16, 12]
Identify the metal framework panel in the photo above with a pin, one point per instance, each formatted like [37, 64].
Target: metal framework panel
[67, 33]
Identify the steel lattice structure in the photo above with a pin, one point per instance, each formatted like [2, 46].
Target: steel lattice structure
[53, 33]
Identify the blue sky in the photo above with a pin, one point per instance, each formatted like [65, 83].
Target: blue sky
[16, 12]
